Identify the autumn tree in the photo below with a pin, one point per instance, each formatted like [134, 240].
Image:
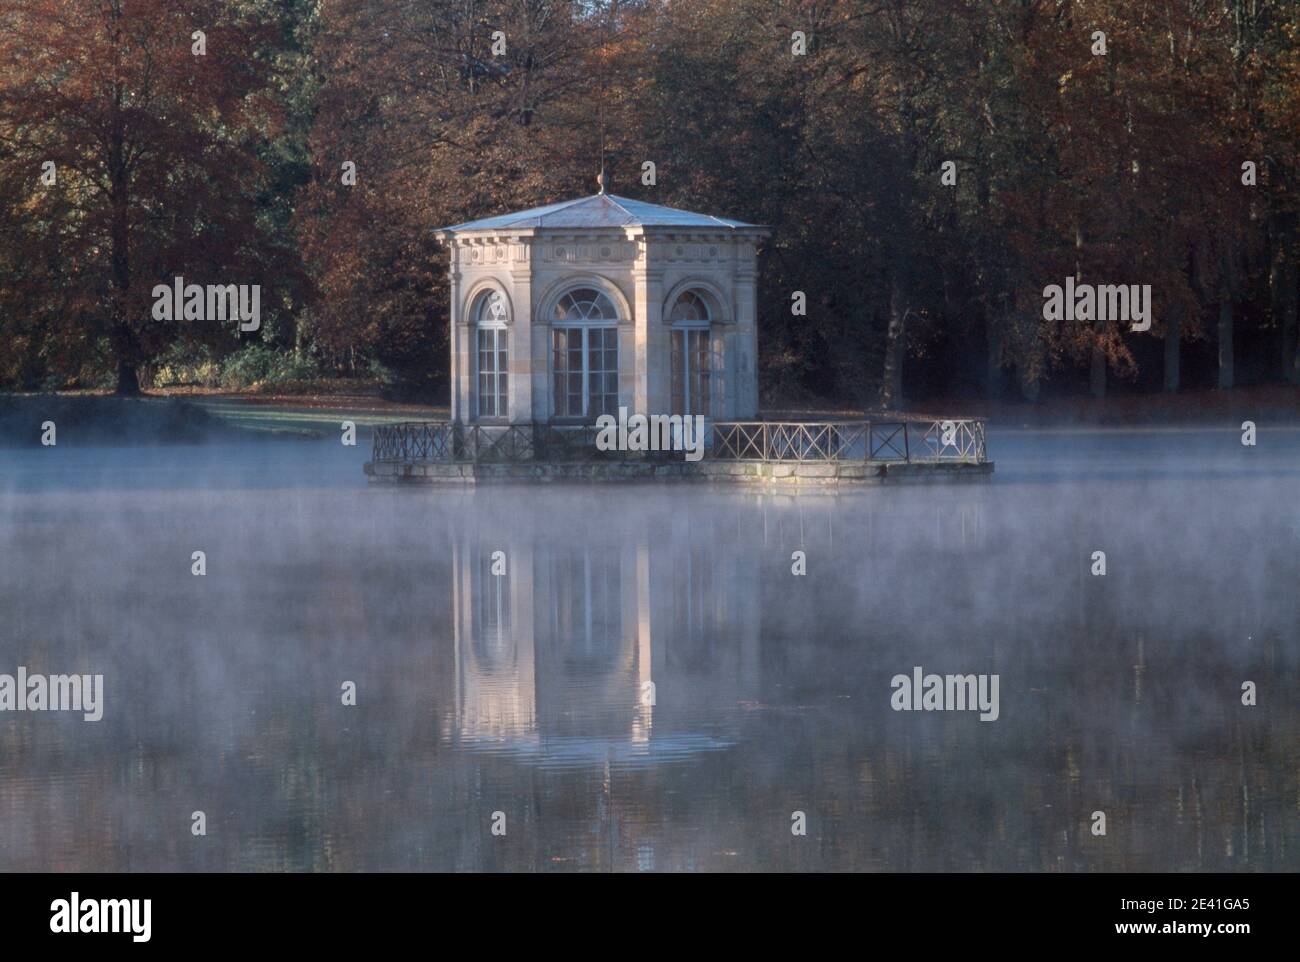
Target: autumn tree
[429, 114]
[927, 168]
[129, 129]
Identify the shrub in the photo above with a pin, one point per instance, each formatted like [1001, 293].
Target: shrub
[258, 364]
[183, 365]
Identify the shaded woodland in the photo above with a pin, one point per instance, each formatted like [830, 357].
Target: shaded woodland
[1169, 160]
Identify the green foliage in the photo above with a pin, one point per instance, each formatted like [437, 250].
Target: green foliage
[186, 365]
[257, 364]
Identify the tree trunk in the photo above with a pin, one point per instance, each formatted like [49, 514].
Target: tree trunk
[126, 346]
[891, 382]
[993, 371]
[126, 352]
[1225, 343]
[1173, 353]
[128, 380]
[1097, 373]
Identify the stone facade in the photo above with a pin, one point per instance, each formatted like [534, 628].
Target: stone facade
[644, 259]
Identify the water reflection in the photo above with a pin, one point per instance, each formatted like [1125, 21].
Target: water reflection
[517, 682]
[594, 653]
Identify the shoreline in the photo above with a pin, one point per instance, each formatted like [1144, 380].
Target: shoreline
[196, 415]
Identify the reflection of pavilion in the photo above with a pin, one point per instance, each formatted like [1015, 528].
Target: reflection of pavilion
[568, 656]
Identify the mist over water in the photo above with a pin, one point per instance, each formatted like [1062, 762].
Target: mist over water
[523, 693]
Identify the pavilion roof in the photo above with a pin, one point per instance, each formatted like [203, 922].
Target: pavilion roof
[599, 211]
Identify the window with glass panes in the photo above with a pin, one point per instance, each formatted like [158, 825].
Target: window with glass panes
[584, 356]
[692, 354]
[493, 356]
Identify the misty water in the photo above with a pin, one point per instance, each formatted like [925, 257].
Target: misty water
[525, 692]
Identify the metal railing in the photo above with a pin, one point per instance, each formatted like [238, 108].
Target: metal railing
[789, 440]
[912, 439]
[895, 439]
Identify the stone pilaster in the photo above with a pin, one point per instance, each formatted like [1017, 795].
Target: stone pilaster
[523, 361]
[460, 366]
[651, 349]
[743, 357]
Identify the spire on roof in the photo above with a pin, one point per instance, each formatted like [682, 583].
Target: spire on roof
[600, 179]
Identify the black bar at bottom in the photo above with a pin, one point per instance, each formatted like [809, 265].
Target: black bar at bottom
[334, 912]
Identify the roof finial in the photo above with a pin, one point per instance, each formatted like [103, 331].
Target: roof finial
[600, 178]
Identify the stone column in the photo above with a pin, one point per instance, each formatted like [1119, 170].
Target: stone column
[460, 366]
[541, 353]
[743, 366]
[523, 363]
[651, 361]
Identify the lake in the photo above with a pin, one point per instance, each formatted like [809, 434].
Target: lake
[634, 678]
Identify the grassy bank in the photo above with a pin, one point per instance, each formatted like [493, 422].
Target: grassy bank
[197, 416]
[97, 419]
[194, 417]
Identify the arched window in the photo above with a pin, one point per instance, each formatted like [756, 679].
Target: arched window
[690, 307]
[585, 304]
[492, 309]
[490, 318]
[692, 354]
[584, 350]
